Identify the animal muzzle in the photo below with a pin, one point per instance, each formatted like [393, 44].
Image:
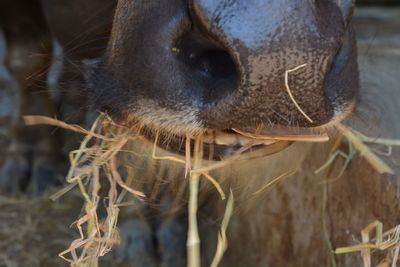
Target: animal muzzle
[290, 63]
[226, 64]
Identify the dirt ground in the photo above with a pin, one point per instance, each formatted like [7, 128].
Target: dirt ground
[33, 231]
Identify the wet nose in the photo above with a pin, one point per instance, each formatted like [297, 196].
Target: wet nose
[244, 51]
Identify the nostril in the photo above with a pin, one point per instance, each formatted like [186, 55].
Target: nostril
[216, 63]
[209, 66]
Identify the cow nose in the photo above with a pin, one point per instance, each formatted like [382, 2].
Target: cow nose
[209, 63]
[239, 52]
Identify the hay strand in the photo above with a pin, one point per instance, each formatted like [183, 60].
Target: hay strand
[38, 120]
[215, 184]
[290, 91]
[314, 138]
[222, 244]
[374, 160]
[274, 181]
[193, 240]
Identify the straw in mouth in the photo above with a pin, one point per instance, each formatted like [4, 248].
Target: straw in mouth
[222, 144]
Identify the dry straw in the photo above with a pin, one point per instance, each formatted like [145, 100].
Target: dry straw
[108, 139]
[289, 91]
[388, 241]
[193, 241]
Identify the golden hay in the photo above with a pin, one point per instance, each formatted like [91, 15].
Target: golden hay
[90, 163]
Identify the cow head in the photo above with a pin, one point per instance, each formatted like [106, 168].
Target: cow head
[190, 66]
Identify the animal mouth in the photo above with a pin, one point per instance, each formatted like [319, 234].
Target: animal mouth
[220, 145]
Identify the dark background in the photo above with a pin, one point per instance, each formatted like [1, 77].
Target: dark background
[378, 2]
